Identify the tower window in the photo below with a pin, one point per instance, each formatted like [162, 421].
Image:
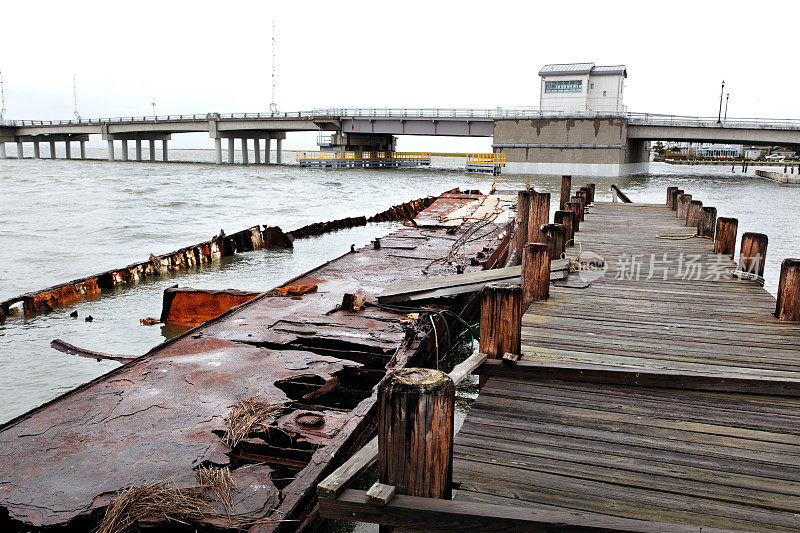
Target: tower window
[565, 86]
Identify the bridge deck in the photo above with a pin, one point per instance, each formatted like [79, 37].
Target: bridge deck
[658, 454]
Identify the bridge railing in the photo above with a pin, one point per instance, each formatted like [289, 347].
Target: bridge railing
[461, 113]
[158, 118]
[655, 119]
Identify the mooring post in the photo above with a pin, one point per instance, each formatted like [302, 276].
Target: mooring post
[523, 215]
[683, 205]
[554, 237]
[674, 201]
[501, 321]
[693, 213]
[753, 253]
[725, 239]
[591, 188]
[575, 207]
[535, 278]
[539, 215]
[670, 190]
[566, 191]
[565, 218]
[706, 222]
[787, 306]
[415, 432]
[582, 202]
[583, 194]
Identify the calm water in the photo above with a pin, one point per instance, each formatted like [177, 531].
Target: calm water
[65, 219]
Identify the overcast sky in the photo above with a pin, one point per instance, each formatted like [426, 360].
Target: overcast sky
[196, 57]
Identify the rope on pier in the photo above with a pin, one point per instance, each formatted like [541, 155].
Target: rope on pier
[678, 236]
[741, 274]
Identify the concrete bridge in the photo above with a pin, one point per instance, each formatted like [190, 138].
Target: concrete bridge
[534, 139]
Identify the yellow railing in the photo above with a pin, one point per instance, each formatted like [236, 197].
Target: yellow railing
[486, 159]
[333, 155]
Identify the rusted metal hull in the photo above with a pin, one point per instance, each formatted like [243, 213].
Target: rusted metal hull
[162, 415]
[187, 307]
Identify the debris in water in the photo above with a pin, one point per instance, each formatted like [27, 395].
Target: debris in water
[149, 321]
[74, 314]
[88, 318]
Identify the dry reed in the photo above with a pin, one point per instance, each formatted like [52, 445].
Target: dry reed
[219, 480]
[248, 415]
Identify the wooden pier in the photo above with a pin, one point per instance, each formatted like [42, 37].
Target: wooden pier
[655, 390]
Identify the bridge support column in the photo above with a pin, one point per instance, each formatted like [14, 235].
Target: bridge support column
[19, 150]
[68, 149]
[36, 153]
[83, 149]
[125, 149]
[230, 150]
[278, 151]
[257, 151]
[164, 150]
[2, 150]
[267, 151]
[152, 149]
[218, 150]
[244, 151]
[110, 150]
[52, 149]
[138, 143]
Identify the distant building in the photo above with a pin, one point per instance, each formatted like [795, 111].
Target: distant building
[783, 152]
[582, 87]
[719, 150]
[755, 152]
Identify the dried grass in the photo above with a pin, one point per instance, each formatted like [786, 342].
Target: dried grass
[153, 501]
[219, 480]
[248, 415]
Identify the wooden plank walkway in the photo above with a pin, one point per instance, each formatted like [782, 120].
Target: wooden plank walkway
[695, 457]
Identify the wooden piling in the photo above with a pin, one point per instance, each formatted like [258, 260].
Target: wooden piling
[674, 202]
[591, 192]
[753, 253]
[583, 194]
[555, 238]
[670, 199]
[566, 191]
[693, 213]
[725, 239]
[501, 320]
[582, 201]
[683, 205]
[415, 432]
[575, 207]
[535, 278]
[523, 214]
[539, 215]
[787, 306]
[706, 222]
[566, 219]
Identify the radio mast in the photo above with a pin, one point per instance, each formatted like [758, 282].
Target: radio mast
[273, 107]
[2, 98]
[75, 98]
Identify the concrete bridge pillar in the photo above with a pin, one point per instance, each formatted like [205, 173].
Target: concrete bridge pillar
[68, 149]
[83, 149]
[230, 150]
[2, 150]
[52, 149]
[257, 151]
[267, 151]
[218, 150]
[125, 149]
[164, 150]
[152, 148]
[19, 149]
[110, 150]
[36, 153]
[278, 151]
[244, 151]
[138, 143]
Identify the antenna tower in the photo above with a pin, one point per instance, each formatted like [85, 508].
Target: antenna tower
[273, 107]
[75, 98]
[2, 98]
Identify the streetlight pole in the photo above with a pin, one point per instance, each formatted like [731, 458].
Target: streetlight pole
[727, 97]
[721, 92]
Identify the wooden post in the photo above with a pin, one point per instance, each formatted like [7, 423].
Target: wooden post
[753, 253]
[554, 237]
[501, 320]
[725, 240]
[535, 279]
[415, 432]
[706, 221]
[566, 218]
[523, 214]
[575, 207]
[788, 305]
[693, 213]
[674, 203]
[581, 202]
[539, 215]
[566, 191]
[670, 190]
[683, 205]
[583, 194]
[591, 193]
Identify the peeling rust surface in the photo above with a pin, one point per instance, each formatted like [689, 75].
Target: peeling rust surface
[162, 415]
[184, 306]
